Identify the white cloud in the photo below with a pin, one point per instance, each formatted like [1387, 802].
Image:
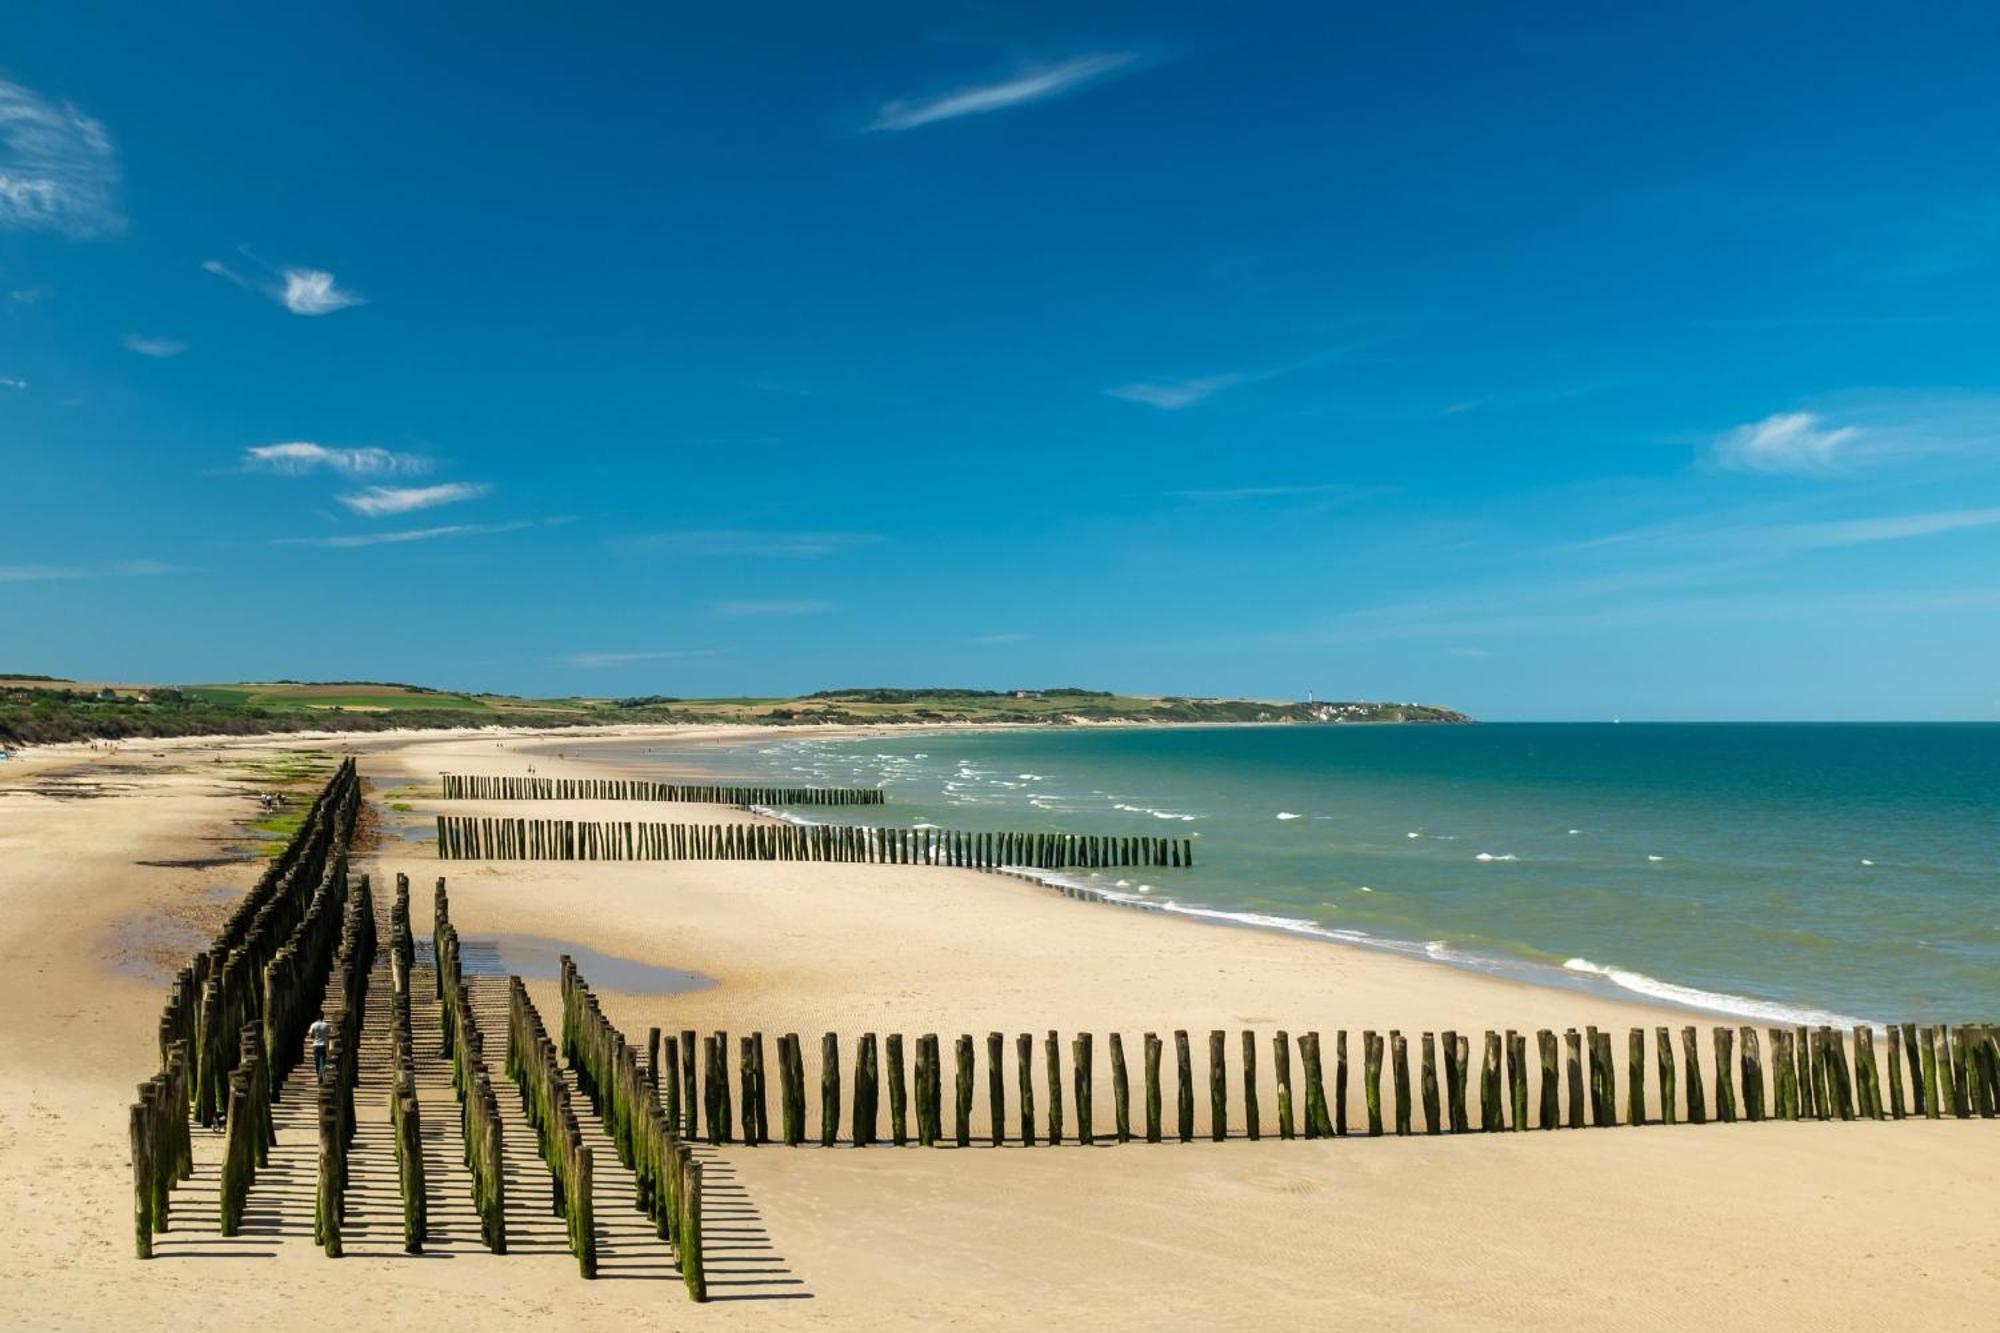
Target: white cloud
[751, 543]
[303, 291]
[1031, 85]
[761, 610]
[12, 382]
[596, 660]
[42, 573]
[311, 291]
[377, 501]
[300, 457]
[157, 347]
[58, 170]
[1793, 442]
[408, 535]
[1174, 396]
[1858, 531]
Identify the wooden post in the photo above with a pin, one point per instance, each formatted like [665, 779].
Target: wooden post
[1751, 1067]
[1399, 1064]
[1430, 1084]
[1281, 1060]
[1184, 1067]
[690, 1097]
[1927, 1048]
[1218, 1086]
[829, 1090]
[1573, 1053]
[1551, 1116]
[962, 1104]
[1725, 1085]
[1080, 1062]
[1517, 1079]
[1635, 1077]
[996, 1085]
[1663, 1059]
[1024, 1068]
[1868, 1083]
[1807, 1073]
[1340, 1081]
[1121, 1090]
[899, 1126]
[1251, 1125]
[1896, 1103]
[1318, 1123]
[1697, 1102]
[867, 1091]
[1491, 1116]
[1053, 1052]
[1152, 1088]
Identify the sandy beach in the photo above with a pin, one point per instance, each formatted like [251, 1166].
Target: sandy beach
[1780, 1225]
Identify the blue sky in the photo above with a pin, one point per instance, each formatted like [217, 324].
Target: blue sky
[1571, 364]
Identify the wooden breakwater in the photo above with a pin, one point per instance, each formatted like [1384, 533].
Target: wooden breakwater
[405, 1119]
[235, 1016]
[531, 1063]
[479, 1109]
[1572, 1081]
[484, 838]
[465, 786]
[346, 1002]
[644, 1126]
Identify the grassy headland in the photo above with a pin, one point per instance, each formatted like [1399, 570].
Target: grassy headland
[41, 710]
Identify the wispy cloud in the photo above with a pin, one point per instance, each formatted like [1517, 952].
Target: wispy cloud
[58, 170]
[591, 661]
[406, 535]
[299, 457]
[1795, 442]
[303, 291]
[997, 639]
[752, 543]
[155, 347]
[1754, 539]
[378, 501]
[1177, 394]
[773, 609]
[44, 573]
[12, 382]
[1035, 84]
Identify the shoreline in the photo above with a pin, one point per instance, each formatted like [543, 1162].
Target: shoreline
[1590, 979]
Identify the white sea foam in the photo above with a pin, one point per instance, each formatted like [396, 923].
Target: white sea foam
[1489, 856]
[1656, 858]
[1413, 835]
[1576, 830]
[1286, 814]
[1366, 889]
[1712, 1001]
[1865, 861]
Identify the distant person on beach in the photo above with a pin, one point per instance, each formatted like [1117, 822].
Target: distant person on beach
[319, 1034]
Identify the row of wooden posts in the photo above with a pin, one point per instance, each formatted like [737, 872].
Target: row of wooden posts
[1952, 1071]
[479, 1109]
[638, 1121]
[461, 786]
[532, 1064]
[405, 1117]
[477, 837]
[345, 1007]
[236, 1014]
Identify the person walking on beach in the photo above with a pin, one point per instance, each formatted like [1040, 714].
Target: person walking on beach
[319, 1034]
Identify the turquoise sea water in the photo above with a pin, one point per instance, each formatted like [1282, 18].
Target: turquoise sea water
[1769, 870]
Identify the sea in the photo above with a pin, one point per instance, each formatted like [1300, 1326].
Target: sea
[1777, 872]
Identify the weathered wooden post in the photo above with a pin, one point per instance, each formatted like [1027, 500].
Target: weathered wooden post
[926, 1124]
[1429, 1075]
[1024, 1067]
[829, 1090]
[1784, 1080]
[1751, 1068]
[1517, 1079]
[1896, 1103]
[1927, 1048]
[691, 1102]
[963, 1103]
[1218, 1086]
[1184, 1067]
[867, 1091]
[1491, 1115]
[1697, 1101]
[1251, 1119]
[1573, 1058]
[1340, 1081]
[1152, 1052]
[1399, 1064]
[1551, 1079]
[1281, 1059]
[1725, 1086]
[1454, 1083]
[996, 1085]
[1053, 1053]
[1080, 1060]
[1318, 1123]
[899, 1124]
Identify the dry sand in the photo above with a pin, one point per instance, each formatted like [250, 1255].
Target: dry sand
[1775, 1225]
